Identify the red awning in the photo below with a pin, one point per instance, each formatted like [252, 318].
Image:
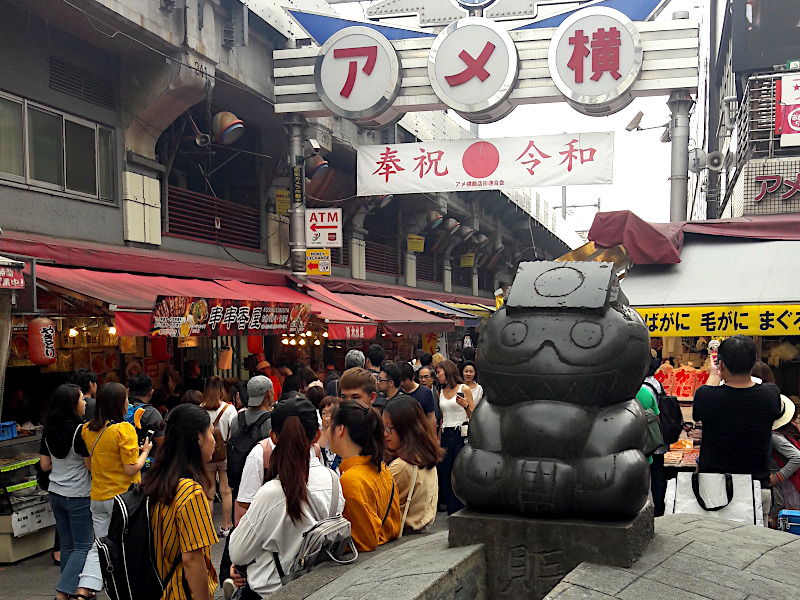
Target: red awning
[369, 288]
[396, 317]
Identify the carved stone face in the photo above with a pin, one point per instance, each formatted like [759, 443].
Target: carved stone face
[592, 355]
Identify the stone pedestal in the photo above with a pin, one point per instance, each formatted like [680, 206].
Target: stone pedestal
[527, 557]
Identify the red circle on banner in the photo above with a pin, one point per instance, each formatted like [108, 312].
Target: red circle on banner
[480, 159]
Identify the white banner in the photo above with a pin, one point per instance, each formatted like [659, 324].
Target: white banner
[523, 162]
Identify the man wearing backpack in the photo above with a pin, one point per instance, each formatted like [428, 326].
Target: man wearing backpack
[248, 428]
[142, 415]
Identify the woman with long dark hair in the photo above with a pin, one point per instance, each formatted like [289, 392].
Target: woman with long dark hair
[297, 493]
[115, 462]
[64, 454]
[469, 373]
[455, 402]
[414, 453]
[183, 531]
[372, 501]
[221, 414]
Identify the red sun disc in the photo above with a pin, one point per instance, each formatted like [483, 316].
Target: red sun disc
[480, 160]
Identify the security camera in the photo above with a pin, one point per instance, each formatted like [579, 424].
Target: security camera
[315, 147]
[635, 122]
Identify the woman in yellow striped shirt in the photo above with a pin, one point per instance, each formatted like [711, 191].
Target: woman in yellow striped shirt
[183, 531]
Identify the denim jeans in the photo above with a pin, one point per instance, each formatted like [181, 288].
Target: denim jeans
[74, 525]
[452, 443]
[92, 576]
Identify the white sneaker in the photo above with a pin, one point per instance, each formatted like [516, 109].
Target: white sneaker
[228, 588]
[225, 531]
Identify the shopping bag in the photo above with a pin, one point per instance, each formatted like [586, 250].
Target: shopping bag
[718, 495]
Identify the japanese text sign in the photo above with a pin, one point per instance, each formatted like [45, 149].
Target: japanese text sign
[770, 184]
[282, 202]
[11, 279]
[324, 227]
[181, 316]
[762, 319]
[346, 331]
[415, 243]
[318, 262]
[524, 162]
[595, 57]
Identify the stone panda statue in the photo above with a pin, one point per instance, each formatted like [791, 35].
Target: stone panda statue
[559, 431]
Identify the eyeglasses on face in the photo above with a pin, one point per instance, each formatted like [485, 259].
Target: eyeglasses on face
[425, 376]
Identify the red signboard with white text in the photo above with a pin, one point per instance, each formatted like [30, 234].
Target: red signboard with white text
[11, 279]
[346, 331]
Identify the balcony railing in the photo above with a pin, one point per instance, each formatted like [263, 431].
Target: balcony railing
[382, 259]
[204, 218]
[341, 256]
[430, 268]
[462, 276]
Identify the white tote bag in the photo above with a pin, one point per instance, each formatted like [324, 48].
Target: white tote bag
[717, 495]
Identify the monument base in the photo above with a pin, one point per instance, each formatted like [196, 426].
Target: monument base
[527, 557]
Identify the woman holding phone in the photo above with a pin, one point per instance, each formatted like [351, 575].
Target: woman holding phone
[115, 462]
[456, 404]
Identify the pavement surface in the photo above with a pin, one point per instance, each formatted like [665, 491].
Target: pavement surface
[696, 558]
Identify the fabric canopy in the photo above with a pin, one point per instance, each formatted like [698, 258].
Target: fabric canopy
[395, 317]
[440, 308]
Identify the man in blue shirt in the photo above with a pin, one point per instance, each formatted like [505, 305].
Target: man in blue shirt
[422, 394]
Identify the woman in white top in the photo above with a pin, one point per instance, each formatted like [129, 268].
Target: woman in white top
[221, 413]
[456, 404]
[469, 373]
[297, 480]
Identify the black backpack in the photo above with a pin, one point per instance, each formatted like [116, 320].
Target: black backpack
[240, 444]
[129, 571]
[670, 418]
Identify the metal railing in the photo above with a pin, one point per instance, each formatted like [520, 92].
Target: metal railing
[462, 277]
[204, 218]
[341, 256]
[430, 268]
[381, 259]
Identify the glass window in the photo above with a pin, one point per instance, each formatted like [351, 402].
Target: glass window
[80, 152]
[45, 142]
[105, 162]
[11, 139]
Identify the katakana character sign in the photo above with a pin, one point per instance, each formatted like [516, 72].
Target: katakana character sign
[605, 41]
[474, 66]
[357, 73]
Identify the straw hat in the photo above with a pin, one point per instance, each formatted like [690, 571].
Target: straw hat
[787, 414]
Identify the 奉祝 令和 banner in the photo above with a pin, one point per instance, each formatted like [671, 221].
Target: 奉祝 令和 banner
[521, 162]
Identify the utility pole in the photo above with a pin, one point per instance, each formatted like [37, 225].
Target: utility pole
[680, 103]
[297, 213]
[563, 202]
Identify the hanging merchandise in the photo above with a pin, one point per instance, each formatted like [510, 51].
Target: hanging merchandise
[162, 348]
[42, 342]
[467, 341]
[225, 360]
[255, 344]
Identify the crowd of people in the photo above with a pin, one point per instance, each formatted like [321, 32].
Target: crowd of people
[377, 442]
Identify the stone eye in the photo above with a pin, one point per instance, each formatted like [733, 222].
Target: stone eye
[514, 333]
[586, 334]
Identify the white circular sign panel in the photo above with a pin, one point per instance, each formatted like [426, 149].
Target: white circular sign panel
[473, 66]
[357, 73]
[595, 57]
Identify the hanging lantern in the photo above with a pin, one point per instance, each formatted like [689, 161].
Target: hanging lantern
[42, 341]
[255, 344]
[162, 348]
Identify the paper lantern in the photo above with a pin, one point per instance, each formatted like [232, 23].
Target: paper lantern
[42, 342]
[255, 344]
[162, 348]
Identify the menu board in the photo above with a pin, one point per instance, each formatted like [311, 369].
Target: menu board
[181, 316]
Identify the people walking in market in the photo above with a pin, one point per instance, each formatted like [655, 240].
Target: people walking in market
[737, 417]
[389, 382]
[413, 452]
[87, 381]
[353, 358]
[371, 499]
[115, 462]
[374, 359]
[420, 393]
[469, 373]
[183, 532]
[266, 369]
[327, 407]
[455, 402]
[785, 477]
[192, 379]
[658, 477]
[64, 454]
[281, 511]
[221, 414]
[359, 385]
[141, 414]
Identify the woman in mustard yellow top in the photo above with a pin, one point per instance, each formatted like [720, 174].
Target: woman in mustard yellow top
[183, 531]
[115, 464]
[371, 499]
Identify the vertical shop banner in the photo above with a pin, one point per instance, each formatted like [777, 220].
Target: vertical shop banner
[181, 316]
[523, 162]
[346, 331]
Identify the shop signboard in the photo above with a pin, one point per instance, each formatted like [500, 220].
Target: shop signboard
[347, 331]
[151, 367]
[467, 165]
[323, 227]
[282, 202]
[32, 518]
[11, 279]
[182, 316]
[318, 262]
[761, 319]
[468, 260]
[416, 243]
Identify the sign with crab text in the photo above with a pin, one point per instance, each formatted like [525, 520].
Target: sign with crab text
[466, 165]
[11, 279]
[761, 319]
[324, 227]
[416, 243]
[348, 331]
[182, 316]
[318, 262]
